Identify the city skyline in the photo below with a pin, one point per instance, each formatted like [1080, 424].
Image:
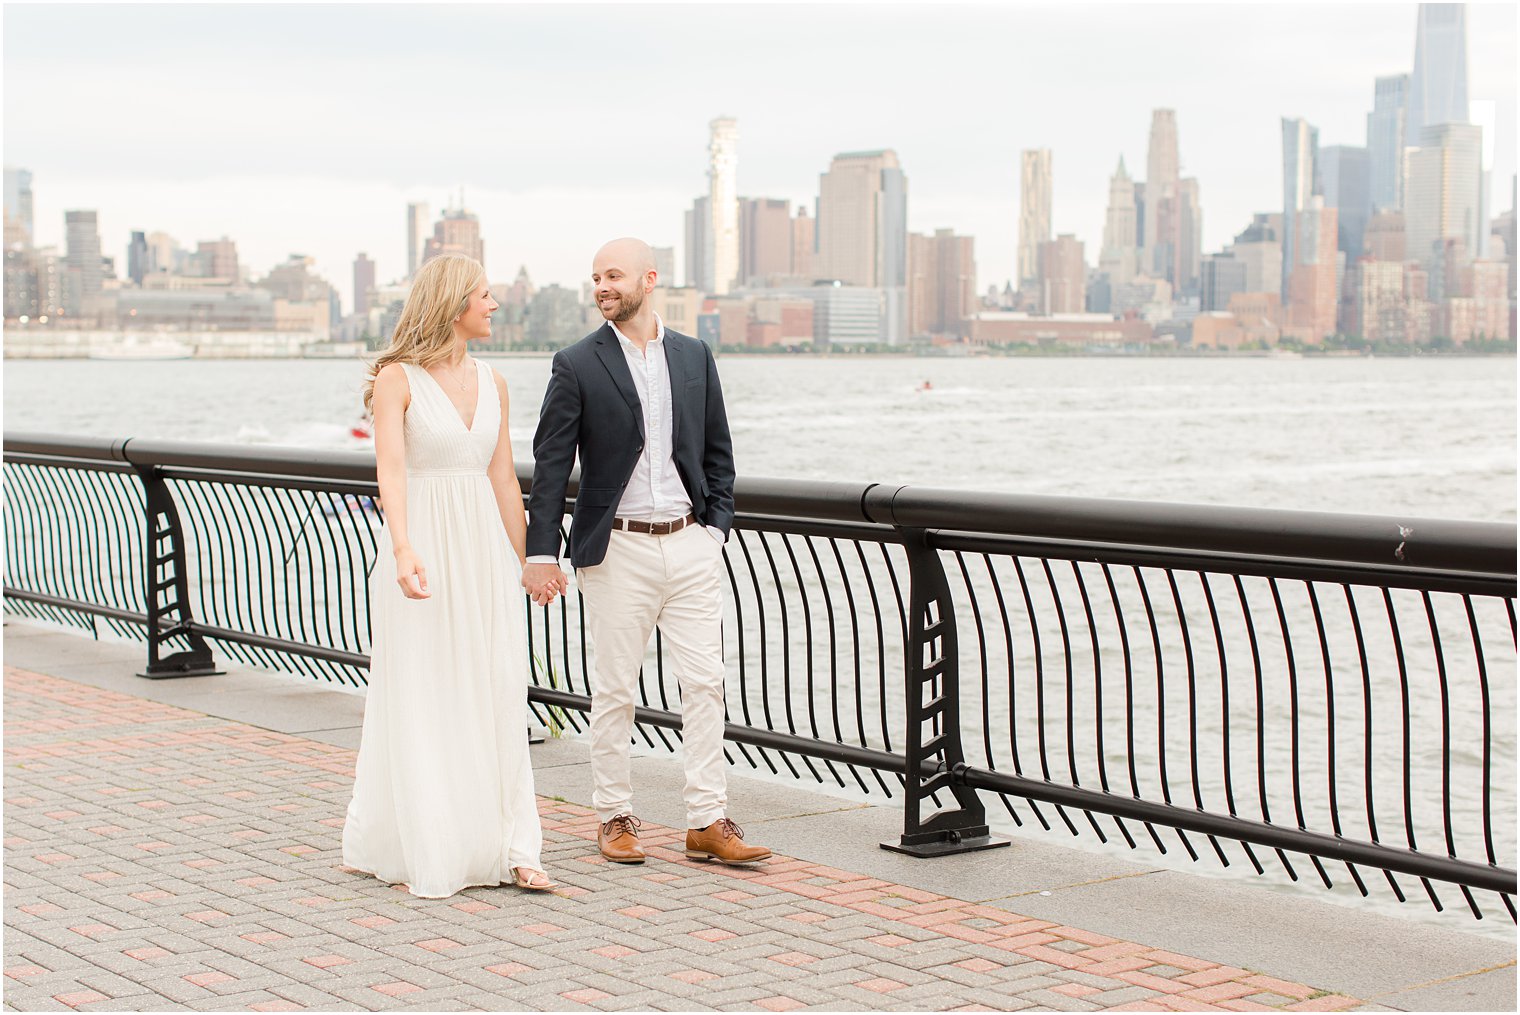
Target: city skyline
[338, 189]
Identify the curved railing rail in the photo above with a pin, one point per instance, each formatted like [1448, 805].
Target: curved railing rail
[1303, 688]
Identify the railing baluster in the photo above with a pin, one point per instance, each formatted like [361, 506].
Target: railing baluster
[1039, 687]
[1367, 779]
[1488, 821]
[1164, 779]
[1013, 699]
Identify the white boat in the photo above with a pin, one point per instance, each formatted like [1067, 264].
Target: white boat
[134, 349]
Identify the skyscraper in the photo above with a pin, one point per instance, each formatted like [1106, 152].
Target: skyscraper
[1221, 276]
[1383, 239]
[664, 265]
[164, 255]
[416, 236]
[1162, 214]
[1438, 89]
[1118, 259]
[1035, 201]
[217, 259]
[1345, 174]
[1313, 293]
[1385, 142]
[1301, 182]
[1063, 276]
[862, 226]
[698, 221]
[1259, 248]
[723, 205]
[458, 232]
[1189, 258]
[18, 199]
[803, 243]
[941, 283]
[364, 283]
[137, 258]
[84, 275]
[765, 238]
[1442, 194]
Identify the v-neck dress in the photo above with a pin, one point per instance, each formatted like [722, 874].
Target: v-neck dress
[443, 792]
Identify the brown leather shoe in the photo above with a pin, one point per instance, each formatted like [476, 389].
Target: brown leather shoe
[723, 841]
[618, 839]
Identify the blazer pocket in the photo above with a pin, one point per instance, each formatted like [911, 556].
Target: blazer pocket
[691, 383]
[596, 496]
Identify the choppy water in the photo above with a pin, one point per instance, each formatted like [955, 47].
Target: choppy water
[1423, 437]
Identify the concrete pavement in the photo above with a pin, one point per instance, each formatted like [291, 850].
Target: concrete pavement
[175, 844]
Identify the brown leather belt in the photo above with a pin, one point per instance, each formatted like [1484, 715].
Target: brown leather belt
[654, 528]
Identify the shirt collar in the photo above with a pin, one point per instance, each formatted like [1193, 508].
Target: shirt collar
[626, 343]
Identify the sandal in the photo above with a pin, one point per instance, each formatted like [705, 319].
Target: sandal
[534, 881]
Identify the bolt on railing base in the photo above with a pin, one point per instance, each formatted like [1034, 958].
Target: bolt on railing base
[946, 843]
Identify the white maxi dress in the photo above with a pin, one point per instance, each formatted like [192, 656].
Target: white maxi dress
[443, 791]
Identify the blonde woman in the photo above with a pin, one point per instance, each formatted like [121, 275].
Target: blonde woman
[443, 792]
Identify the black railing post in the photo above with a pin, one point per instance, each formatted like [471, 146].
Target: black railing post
[168, 594]
[932, 671]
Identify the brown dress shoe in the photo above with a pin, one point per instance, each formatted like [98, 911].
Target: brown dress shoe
[724, 841]
[618, 839]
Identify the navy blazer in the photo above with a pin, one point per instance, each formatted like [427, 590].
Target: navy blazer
[592, 407]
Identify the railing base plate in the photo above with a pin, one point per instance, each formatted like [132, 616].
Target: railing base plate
[947, 847]
[171, 671]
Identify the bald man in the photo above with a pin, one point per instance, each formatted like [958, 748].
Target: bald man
[643, 408]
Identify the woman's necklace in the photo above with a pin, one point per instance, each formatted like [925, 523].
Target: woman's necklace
[463, 373]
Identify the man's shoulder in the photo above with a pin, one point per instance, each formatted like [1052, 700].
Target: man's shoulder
[586, 346]
[679, 341]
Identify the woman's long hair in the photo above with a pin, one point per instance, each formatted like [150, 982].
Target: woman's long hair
[425, 333]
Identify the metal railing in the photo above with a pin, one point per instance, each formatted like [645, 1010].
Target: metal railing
[1304, 688]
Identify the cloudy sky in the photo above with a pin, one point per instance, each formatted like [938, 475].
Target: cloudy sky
[306, 129]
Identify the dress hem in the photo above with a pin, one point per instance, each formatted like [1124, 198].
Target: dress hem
[419, 895]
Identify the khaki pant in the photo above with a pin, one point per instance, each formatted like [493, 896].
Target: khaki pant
[674, 583]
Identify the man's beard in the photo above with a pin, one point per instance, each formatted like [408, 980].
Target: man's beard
[627, 307]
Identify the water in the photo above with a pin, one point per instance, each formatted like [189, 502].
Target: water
[1410, 438]
[1415, 437]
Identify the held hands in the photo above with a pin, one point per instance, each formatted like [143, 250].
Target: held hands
[411, 575]
[544, 582]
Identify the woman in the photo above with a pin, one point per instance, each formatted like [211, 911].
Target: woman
[443, 792]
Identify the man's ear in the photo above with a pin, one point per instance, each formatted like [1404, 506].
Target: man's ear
[651, 279]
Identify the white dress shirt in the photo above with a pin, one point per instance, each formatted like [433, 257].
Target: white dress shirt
[655, 492]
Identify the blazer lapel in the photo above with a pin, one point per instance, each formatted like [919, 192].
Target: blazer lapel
[674, 359]
[610, 351]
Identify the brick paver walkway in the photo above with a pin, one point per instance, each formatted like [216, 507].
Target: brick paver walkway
[160, 858]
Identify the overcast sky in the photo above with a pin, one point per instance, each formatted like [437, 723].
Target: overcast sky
[307, 129]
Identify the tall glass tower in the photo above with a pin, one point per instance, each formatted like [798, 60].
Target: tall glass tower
[1438, 90]
[1385, 141]
[722, 205]
[1301, 181]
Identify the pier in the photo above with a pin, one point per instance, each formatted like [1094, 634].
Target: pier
[1276, 696]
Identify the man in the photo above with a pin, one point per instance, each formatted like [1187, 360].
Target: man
[643, 407]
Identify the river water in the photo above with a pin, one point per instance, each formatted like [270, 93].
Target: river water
[1422, 437]
[1404, 437]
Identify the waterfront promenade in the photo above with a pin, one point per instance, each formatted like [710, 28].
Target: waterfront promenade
[175, 845]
